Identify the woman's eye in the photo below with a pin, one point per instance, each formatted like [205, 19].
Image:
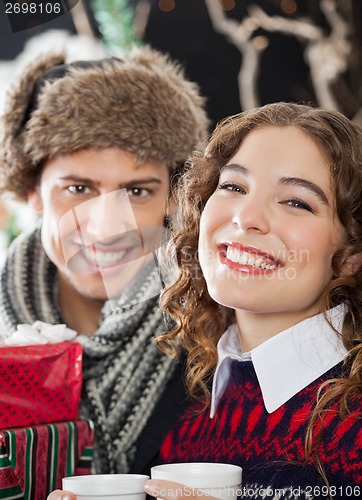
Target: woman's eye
[297, 203]
[78, 189]
[230, 186]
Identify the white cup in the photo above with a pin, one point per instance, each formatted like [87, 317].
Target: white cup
[216, 479]
[106, 486]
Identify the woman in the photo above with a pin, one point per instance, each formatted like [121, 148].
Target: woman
[268, 303]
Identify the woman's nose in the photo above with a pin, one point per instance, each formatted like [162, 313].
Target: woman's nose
[107, 217]
[252, 214]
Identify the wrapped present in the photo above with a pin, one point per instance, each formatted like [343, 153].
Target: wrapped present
[34, 460]
[40, 384]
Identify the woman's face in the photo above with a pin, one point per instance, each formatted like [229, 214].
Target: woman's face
[269, 231]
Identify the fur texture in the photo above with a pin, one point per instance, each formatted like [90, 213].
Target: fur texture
[143, 104]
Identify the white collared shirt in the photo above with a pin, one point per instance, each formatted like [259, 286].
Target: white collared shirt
[286, 363]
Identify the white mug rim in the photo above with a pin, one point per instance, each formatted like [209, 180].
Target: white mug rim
[104, 484]
[199, 474]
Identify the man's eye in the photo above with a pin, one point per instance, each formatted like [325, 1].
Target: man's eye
[78, 189]
[138, 192]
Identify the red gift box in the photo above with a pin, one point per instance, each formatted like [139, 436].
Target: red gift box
[34, 460]
[40, 384]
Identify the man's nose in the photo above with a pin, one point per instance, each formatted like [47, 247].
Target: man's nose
[106, 218]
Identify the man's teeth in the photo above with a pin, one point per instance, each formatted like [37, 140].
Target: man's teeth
[248, 259]
[103, 259]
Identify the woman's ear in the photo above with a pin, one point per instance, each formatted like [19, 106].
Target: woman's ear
[35, 201]
[353, 264]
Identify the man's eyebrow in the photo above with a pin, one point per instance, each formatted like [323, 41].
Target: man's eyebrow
[296, 181]
[131, 182]
[236, 167]
[76, 178]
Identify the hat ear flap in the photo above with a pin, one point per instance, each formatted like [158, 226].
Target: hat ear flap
[17, 105]
[20, 94]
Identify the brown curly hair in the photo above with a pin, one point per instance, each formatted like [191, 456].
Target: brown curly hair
[198, 322]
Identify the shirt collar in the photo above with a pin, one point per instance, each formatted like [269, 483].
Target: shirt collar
[286, 363]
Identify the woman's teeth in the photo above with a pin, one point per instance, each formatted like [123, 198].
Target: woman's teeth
[103, 259]
[249, 259]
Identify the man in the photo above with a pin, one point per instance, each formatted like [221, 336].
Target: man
[94, 147]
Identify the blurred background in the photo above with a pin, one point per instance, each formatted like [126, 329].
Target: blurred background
[242, 53]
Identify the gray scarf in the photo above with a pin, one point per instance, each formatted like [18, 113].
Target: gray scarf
[124, 372]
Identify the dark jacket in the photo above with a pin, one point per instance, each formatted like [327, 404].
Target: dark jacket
[168, 410]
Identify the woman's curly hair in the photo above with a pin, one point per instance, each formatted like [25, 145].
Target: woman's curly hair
[199, 322]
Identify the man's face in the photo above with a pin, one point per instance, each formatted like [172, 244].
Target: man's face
[102, 217]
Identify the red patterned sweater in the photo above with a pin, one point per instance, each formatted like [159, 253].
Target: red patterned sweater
[270, 447]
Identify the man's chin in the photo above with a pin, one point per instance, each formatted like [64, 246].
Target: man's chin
[102, 293]
[94, 288]
[105, 286]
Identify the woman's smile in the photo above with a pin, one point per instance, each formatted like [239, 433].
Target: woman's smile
[247, 259]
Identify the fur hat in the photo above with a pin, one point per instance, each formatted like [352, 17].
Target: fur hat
[142, 103]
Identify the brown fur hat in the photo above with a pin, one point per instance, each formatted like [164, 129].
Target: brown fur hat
[142, 103]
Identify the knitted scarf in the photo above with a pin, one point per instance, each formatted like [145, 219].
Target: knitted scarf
[123, 371]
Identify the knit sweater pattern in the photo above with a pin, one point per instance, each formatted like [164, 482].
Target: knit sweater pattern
[270, 447]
